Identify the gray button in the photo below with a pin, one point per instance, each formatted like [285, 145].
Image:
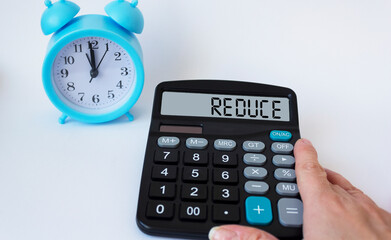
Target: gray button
[196, 143]
[168, 142]
[253, 146]
[254, 159]
[283, 160]
[225, 144]
[256, 173]
[285, 174]
[287, 189]
[283, 148]
[290, 212]
[255, 187]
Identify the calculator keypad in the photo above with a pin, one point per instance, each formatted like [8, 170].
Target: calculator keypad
[207, 181]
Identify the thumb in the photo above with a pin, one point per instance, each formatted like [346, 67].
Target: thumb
[311, 177]
[237, 232]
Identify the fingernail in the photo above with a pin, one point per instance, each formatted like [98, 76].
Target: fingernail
[306, 141]
[218, 233]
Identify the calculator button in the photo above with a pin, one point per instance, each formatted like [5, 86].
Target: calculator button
[254, 159]
[224, 144]
[195, 174]
[282, 148]
[285, 174]
[196, 143]
[193, 211]
[196, 158]
[163, 210]
[225, 176]
[287, 189]
[167, 173]
[166, 156]
[283, 160]
[253, 146]
[256, 187]
[290, 212]
[225, 159]
[225, 194]
[194, 192]
[226, 213]
[168, 142]
[256, 173]
[280, 136]
[258, 210]
[162, 190]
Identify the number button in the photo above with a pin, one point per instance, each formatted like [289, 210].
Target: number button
[225, 176]
[194, 192]
[225, 194]
[167, 173]
[193, 212]
[166, 156]
[225, 160]
[161, 210]
[196, 158]
[191, 174]
[162, 190]
[226, 213]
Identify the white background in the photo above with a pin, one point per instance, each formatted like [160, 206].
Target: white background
[81, 181]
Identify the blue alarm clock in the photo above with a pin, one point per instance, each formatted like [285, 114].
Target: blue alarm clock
[93, 70]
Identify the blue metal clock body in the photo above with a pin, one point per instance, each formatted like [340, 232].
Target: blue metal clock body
[115, 28]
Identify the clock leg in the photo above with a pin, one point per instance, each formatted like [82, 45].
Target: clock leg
[130, 116]
[62, 119]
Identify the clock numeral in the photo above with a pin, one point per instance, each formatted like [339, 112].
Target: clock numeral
[93, 44]
[95, 98]
[71, 86]
[124, 71]
[82, 95]
[117, 56]
[69, 60]
[78, 48]
[64, 73]
[107, 47]
[119, 85]
[110, 94]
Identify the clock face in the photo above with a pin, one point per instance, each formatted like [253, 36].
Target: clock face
[93, 74]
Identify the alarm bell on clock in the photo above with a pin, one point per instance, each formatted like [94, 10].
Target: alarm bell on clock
[93, 69]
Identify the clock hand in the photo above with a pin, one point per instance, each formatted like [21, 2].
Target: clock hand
[102, 59]
[89, 60]
[99, 63]
[94, 70]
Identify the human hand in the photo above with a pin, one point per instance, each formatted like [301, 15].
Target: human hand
[333, 207]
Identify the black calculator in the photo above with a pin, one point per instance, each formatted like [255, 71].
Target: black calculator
[220, 152]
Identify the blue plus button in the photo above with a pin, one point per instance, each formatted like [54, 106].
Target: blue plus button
[280, 136]
[258, 210]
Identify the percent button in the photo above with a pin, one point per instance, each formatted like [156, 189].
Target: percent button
[285, 174]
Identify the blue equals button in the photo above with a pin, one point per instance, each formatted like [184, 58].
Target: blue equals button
[280, 136]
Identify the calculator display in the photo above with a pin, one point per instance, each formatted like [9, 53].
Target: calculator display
[225, 106]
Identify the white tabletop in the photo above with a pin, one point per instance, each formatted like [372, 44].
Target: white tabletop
[81, 181]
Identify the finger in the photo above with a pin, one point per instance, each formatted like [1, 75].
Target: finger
[338, 179]
[237, 232]
[311, 177]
